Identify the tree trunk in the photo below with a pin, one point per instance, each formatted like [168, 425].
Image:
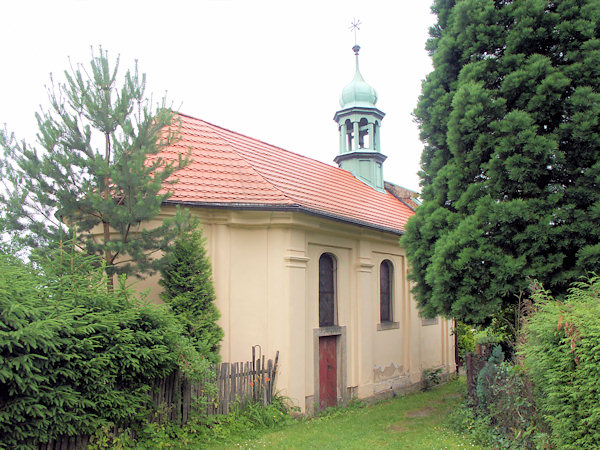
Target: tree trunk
[108, 258]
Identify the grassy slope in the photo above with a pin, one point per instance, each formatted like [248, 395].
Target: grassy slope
[415, 421]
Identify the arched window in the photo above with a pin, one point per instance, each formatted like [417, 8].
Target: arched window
[327, 288]
[386, 274]
[363, 135]
[349, 135]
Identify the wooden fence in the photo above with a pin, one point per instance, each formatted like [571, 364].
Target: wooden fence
[66, 443]
[174, 396]
[237, 383]
[474, 363]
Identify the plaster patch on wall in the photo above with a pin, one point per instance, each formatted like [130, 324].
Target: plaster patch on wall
[390, 378]
[381, 373]
[394, 385]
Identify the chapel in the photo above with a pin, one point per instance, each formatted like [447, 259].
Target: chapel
[306, 257]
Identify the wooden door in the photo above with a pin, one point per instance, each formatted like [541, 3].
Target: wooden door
[327, 371]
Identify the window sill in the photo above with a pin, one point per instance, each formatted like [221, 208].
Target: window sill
[382, 326]
[428, 322]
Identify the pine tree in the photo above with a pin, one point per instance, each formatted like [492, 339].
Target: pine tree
[188, 290]
[511, 166]
[93, 174]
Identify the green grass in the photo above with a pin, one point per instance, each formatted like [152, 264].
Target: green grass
[415, 421]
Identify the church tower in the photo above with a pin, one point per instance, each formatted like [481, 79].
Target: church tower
[358, 123]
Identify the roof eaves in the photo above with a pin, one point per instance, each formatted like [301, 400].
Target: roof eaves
[407, 205]
[282, 207]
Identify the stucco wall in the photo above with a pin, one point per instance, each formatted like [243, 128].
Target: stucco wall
[265, 269]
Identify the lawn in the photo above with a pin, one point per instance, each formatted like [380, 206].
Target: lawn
[413, 421]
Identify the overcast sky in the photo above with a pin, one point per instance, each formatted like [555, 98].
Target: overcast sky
[272, 70]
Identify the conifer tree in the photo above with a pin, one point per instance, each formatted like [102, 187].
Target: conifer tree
[93, 174]
[189, 291]
[511, 167]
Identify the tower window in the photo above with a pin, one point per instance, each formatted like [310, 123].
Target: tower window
[349, 135]
[363, 134]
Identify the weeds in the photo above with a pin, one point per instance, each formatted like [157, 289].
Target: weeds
[335, 411]
[245, 420]
[431, 378]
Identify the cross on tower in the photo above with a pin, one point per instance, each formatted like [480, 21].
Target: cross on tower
[355, 26]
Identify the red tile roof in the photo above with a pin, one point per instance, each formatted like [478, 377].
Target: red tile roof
[232, 170]
[406, 196]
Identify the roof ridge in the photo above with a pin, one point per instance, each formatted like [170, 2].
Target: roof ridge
[257, 140]
[402, 187]
[221, 132]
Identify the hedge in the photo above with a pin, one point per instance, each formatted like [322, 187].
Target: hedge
[562, 355]
[75, 357]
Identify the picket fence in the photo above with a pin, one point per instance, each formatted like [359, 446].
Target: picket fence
[175, 396]
[237, 383]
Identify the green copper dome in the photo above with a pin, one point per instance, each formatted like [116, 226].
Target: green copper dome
[358, 92]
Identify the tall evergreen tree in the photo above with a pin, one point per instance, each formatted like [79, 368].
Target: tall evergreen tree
[511, 166]
[188, 290]
[93, 174]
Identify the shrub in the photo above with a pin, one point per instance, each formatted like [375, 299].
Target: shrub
[487, 376]
[431, 378]
[466, 420]
[562, 354]
[502, 414]
[75, 357]
[509, 406]
[466, 339]
[188, 290]
[486, 337]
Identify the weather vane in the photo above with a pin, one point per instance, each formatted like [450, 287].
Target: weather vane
[355, 26]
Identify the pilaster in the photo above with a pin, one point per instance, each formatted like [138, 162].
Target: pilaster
[296, 260]
[365, 321]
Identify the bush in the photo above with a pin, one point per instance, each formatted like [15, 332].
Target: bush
[465, 419]
[506, 398]
[466, 339]
[502, 414]
[75, 357]
[188, 290]
[562, 354]
[486, 337]
[487, 376]
[431, 378]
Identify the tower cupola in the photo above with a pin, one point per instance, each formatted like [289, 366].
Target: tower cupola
[358, 92]
[358, 124]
